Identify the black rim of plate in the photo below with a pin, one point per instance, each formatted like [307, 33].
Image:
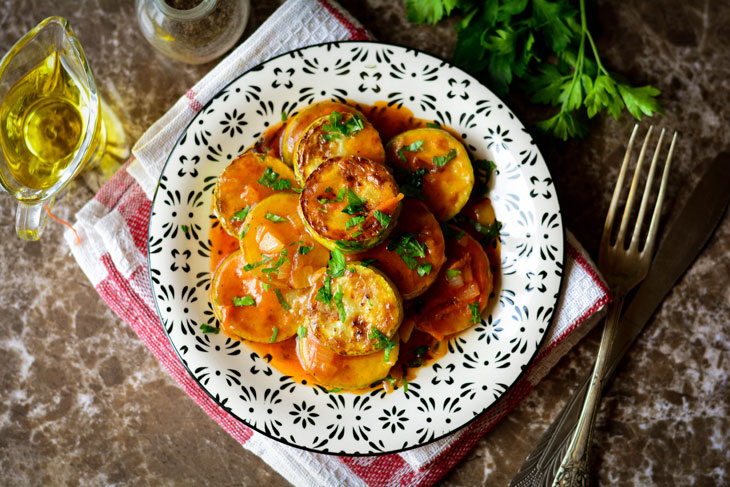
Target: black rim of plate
[525, 368]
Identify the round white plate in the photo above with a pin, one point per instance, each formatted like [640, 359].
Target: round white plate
[482, 363]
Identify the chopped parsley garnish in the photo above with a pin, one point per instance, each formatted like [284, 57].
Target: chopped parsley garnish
[413, 147]
[405, 378]
[488, 232]
[275, 218]
[270, 179]
[474, 309]
[328, 137]
[241, 215]
[276, 265]
[424, 269]
[302, 331]
[409, 249]
[368, 262]
[336, 389]
[244, 231]
[274, 334]
[338, 303]
[244, 301]
[383, 218]
[209, 329]
[324, 293]
[282, 302]
[283, 116]
[452, 232]
[432, 125]
[254, 265]
[184, 228]
[336, 263]
[483, 170]
[383, 343]
[354, 203]
[345, 245]
[419, 353]
[303, 250]
[338, 199]
[411, 183]
[452, 272]
[337, 127]
[441, 161]
[354, 221]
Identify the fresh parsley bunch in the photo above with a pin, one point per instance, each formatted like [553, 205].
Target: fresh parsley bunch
[543, 44]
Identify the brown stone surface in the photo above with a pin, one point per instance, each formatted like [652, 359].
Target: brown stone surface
[85, 403]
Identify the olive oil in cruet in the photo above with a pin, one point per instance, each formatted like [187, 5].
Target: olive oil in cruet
[43, 121]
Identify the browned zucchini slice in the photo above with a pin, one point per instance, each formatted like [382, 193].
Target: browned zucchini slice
[350, 203]
[276, 246]
[339, 134]
[460, 294]
[346, 372]
[302, 120]
[355, 312]
[246, 310]
[437, 162]
[413, 254]
[246, 181]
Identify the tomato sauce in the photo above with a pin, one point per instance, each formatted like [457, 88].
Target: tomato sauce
[421, 349]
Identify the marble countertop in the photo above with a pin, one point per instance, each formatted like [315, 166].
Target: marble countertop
[85, 403]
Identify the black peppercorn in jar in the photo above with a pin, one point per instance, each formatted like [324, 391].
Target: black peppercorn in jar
[192, 31]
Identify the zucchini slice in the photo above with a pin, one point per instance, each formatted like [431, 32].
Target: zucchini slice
[347, 372]
[433, 165]
[479, 220]
[350, 203]
[338, 134]
[276, 246]
[247, 310]
[356, 312]
[302, 120]
[246, 181]
[460, 294]
[413, 254]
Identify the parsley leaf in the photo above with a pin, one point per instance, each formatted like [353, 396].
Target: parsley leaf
[337, 127]
[254, 265]
[274, 334]
[474, 310]
[270, 179]
[412, 147]
[383, 218]
[324, 293]
[338, 199]
[424, 269]
[441, 161]
[338, 303]
[429, 11]
[336, 263]
[409, 249]
[368, 262]
[305, 250]
[483, 170]
[354, 203]
[241, 215]
[275, 218]
[383, 343]
[452, 273]
[282, 302]
[411, 182]
[244, 301]
[214, 330]
[302, 331]
[354, 221]
[349, 246]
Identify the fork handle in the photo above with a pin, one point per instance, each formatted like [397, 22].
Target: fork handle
[574, 469]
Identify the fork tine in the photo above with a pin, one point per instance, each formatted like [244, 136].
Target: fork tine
[606, 237]
[654, 226]
[645, 198]
[620, 238]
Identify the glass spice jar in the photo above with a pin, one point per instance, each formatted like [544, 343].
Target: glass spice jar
[192, 31]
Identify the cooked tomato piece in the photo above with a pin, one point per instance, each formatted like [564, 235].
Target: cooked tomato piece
[296, 126]
[247, 310]
[356, 312]
[339, 134]
[350, 203]
[461, 291]
[276, 246]
[433, 165]
[341, 371]
[413, 254]
[246, 181]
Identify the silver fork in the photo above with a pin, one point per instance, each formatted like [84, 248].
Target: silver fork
[623, 269]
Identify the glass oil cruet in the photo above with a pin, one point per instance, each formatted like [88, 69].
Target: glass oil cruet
[50, 120]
